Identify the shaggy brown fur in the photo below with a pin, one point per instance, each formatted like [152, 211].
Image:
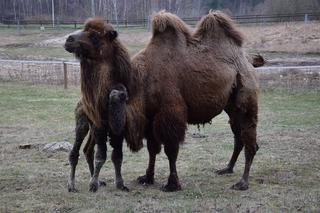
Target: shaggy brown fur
[180, 78]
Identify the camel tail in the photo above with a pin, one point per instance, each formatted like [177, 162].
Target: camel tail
[163, 21]
[218, 20]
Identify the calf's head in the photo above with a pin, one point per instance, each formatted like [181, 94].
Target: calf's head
[117, 108]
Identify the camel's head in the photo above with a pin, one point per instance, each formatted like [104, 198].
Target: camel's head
[93, 42]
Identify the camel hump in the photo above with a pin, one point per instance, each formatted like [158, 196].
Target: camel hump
[215, 22]
[163, 21]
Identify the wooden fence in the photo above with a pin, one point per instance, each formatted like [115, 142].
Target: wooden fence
[40, 72]
[68, 73]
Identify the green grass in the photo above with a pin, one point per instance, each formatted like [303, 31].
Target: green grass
[284, 178]
[290, 109]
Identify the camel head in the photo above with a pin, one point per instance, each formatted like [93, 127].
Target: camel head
[93, 42]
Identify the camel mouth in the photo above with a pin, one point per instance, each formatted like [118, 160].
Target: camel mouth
[70, 47]
[117, 95]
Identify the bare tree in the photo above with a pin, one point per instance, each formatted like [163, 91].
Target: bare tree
[116, 12]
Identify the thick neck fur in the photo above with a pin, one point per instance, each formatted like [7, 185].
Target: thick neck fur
[95, 84]
[97, 77]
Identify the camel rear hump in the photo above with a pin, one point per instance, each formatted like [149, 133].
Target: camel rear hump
[218, 26]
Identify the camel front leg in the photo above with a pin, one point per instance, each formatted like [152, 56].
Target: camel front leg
[153, 148]
[116, 142]
[173, 183]
[169, 128]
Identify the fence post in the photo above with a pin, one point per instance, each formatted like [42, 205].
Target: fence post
[305, 18]
[18, 27]
[65, 75]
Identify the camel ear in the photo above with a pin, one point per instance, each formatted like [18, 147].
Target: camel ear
[111, 35]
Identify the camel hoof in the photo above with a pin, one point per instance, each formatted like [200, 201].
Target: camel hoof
[170, 187]
[240, 186]
[93, 185]
[145, 180]
[123, 188]
[72, 189]
[224, 171]
[102, 183]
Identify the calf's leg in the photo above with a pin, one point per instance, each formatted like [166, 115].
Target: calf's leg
[116, 142]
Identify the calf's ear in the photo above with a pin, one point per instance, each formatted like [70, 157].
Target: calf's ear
[111, 35]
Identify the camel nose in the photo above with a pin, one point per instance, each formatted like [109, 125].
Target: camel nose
[70, 39]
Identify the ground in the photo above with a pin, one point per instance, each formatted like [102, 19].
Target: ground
[284, 178]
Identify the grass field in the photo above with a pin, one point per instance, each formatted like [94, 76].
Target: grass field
[284, 178]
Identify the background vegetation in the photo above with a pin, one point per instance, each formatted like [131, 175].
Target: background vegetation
[79, 10]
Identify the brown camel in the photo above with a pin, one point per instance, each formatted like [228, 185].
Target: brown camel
[178, 78]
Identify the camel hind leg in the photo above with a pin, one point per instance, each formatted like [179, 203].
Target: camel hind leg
[243, 113]
[238, 144]
[82, 128]
[100, 137]
[88, 151]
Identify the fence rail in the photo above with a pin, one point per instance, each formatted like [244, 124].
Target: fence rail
[146, 22]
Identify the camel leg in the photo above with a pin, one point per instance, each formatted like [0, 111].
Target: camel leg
[173, 184]
[100, 137]
[154, 148]
[238, 145]
[169, 128]
[248, 136]
[246, 117]
[82, 128]
[88, 151]
[116, 142]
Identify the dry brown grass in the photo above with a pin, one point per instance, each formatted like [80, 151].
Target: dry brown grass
[285, 174]
[284, 37]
